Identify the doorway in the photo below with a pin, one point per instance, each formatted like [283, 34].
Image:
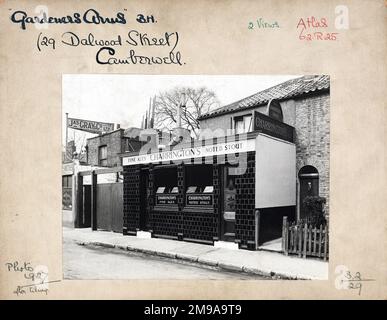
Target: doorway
[144, 200]
[309, 186]
[228, 208]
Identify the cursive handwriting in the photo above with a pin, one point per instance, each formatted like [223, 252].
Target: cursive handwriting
[90, 16]
[106, 55]
[16, 266]
[311, 29]
[37, 277]
[262, 24]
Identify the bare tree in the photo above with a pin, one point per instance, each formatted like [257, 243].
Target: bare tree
[195, 102]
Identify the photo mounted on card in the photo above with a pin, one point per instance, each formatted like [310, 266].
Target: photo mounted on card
[199, 166]
[195, 150]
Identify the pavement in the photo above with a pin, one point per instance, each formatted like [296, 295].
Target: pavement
[268, 264]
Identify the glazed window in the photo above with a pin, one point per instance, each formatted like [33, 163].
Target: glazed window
[229, 195]
[199, 185]
[243, 124]
[67, 181]
[166, 186]
[67, 192]
[102, 156]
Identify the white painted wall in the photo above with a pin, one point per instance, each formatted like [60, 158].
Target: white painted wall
[275, 173]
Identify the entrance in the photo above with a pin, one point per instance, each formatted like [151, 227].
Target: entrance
[86, 216]
[227, 225]
[144, 200]
[309, 181]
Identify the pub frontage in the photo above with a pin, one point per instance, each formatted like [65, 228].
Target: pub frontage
[234, 189]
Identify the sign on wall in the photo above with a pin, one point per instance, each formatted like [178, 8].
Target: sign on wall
[194, 152]
[166, 199]
[89, 126]
[199, 200]
[273, 127]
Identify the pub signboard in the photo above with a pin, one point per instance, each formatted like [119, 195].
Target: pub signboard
[273, 127]
[90, 126]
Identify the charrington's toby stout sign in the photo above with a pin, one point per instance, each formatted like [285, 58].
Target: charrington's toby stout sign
[89, 126]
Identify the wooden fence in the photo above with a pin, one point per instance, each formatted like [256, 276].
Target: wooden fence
[305, 239]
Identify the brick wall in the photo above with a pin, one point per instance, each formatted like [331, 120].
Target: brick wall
[114, 143]
[313, 138]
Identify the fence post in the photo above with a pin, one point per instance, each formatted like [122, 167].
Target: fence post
[285, 235]
[305, 238]
[299, 235]
[326, 242]
[93, 201]
[320, 241]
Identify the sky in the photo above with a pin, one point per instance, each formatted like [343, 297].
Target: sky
[124, 98]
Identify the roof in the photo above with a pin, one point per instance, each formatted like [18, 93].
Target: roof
[288, 89]
[132, 132]
[104, 134]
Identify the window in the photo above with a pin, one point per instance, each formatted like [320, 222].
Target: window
[67, 192]
[243, 124]
[199, 185]
[165, 180]
[102, 156]
[229, 193]
[66, 181]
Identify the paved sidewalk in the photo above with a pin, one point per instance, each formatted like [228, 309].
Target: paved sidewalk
[272, 264]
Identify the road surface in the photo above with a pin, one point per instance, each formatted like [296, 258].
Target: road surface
[80, 262]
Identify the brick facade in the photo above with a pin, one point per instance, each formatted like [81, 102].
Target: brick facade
[113, 141]
[313, 138]
[116, 143]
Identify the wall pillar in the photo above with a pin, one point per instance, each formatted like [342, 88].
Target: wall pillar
[93, 201]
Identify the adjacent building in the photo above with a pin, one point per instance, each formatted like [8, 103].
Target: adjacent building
[104, 150]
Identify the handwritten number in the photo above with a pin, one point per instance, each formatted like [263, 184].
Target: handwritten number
[45, 41]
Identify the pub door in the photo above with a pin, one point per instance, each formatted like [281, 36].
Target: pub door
[144, 200]
[227, 218]
[86, 218]
[309, 181]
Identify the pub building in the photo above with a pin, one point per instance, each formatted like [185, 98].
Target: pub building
[233, 190]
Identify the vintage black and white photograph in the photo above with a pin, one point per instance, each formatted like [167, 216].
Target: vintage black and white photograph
[195, 176]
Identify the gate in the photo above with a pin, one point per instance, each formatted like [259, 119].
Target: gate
[109, 207]
[100, 206]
